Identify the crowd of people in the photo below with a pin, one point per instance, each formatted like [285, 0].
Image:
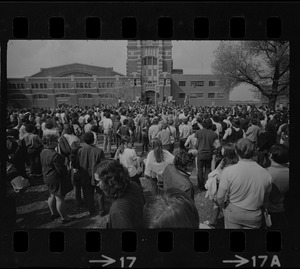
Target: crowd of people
[240, 154]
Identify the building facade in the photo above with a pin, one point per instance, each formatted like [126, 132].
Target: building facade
[72, 84]
[148, 67]
[198, 90]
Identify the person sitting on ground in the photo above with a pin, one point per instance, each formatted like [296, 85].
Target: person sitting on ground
[126, 211]
[173, 209]
[177, 174]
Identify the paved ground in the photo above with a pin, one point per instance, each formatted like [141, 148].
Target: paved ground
[33, 211]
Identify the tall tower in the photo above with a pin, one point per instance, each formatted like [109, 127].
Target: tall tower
[149, 67]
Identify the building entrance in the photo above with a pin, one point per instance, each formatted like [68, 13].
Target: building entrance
[150, 97]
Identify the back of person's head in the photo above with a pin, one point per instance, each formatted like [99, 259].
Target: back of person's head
[88, 138]
[118, 117]
[170, 121]
[94, 128]
[164, 126]
[155, 121]
[207, 123]
[229, 155]
[173, 209]
[50, 139]
[114, 178]
[254, 121]
[279, 154]
[49, 124]
[183, 160]
[107, 115]
[89, 120]
[245, 148]
[29, 127]
[185, 120]
[236, 122]
[195, 127]
[216, 118]
[125, 121]
[157, 150]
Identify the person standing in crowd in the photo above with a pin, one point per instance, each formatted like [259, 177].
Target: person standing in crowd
[184, 132]
[49, 128]
[126, 211]
[205, 144]
[229, 158]
[56, 178]
[177, 174]
[88, 157]
[234, 133]
[173, 209]
[19, 157]
[173, 134]
[88, 125]
[165, 137]
[253, 132]
[153, 130]
[127, 156]
[107, 126]
[22, 130]
[116, 125]
[131, 126]
[157, 159]
[280, 185]
[34, 147]
[248, 186]
[145, 138]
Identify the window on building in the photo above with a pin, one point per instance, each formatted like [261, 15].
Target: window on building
[144, 72]
[81, 84]
[197, 83]
[41, 85]
[63, 95]
[45, 85]
[181, 95]
[220, 95]
[40, 96]
[85, 96]
[58, 85]
[18, 97]
[182, 83]
[149, 72]
[111, 84]
[149, 61]
[134, 82]
[211, 95]
[196, 95]
[103, 85]
[23, 87]
[100, 85]
[212, 83]
[154, 72]
[32, 86]
[36, 85]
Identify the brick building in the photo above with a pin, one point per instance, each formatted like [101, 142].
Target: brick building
[198, 90]
[73, 84]
[149, 65]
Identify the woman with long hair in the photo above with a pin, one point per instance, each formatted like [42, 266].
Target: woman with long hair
[157, 160]
[229, 158]
[126, 211]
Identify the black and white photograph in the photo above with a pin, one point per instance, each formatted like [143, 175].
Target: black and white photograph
[148, 134]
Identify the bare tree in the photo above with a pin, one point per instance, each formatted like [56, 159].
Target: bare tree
[265, 65]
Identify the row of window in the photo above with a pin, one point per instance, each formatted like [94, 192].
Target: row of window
[59, 85]
[16, 85]
[149, 72]
[149, 61]
[201, 95]
[45, 96]
[199, 83]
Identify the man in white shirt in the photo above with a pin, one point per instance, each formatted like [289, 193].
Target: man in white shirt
[184, 131]
[153, 130]
[107, 124]
[88, 126]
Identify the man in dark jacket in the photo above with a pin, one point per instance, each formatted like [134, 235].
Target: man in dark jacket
[88, 157]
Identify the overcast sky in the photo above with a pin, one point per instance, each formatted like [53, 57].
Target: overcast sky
[25, 58]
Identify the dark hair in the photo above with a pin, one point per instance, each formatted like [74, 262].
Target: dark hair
[207, 123]
[245, 148]
[94, 128]
[158, 151]
[173, 209]
[125, 121]
[229, 156]
[29, 127]
[195, 127]
[114, 176]
[183, 159]
[68, 129]
[90, 119]
[280, 153]
[49, 124]
[88, 138]
[236, 123]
